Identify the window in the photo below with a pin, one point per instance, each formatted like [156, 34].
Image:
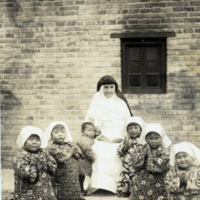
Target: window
[144, 65]
[143, 61]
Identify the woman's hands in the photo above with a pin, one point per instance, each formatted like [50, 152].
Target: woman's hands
[74, 150]
[97, 131]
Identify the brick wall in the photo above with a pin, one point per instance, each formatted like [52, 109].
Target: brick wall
[54, 52]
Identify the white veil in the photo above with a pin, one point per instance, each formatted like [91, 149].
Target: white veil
[186, 147]
[49, 129]
[26, 132]
[104, 109]
[155, 127]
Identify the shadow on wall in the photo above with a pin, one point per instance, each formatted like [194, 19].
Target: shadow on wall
[19, 12]
[185, 90]
[9, 100]
[16, 9]
[184, 104]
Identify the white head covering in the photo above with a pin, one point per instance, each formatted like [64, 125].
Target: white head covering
[155, 127]
[26, 132]
[138, 120]
[186, 147]
[50, 129]
[107, 109]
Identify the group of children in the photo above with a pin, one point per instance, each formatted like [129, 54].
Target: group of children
[51, 166]
[153, 168]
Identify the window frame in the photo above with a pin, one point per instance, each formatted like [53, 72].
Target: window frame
[142, 43]
[146, 34]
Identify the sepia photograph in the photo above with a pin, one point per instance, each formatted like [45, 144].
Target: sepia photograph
[100, 99]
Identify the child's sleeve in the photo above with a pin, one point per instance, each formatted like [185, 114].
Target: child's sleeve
[159, 163]
[173, 182]
[139, 156]
[86, 147]
[51, 163]
[25, 168]
[61, 155]
[124, 147]
[79, 153]
[90, 155]
[121, 150]
[193, 181]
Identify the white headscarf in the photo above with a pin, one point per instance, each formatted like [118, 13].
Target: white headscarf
[26, 132]
[188, 148]
[155, 127]
[107, 109]
[138, 120]
[50, 129]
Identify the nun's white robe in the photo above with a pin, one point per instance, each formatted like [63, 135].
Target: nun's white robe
[110, 116]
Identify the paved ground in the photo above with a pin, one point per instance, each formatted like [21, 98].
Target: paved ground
[7, 186]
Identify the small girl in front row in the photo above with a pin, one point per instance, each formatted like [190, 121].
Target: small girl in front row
[134, 127]
[33, 167]
[183, 179]
[151, 163]
[64, 152]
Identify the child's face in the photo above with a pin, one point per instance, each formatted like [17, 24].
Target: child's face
[89, 131]
[154, 140]
[109, 90]
[184, 160]
[33, 143]
[134, 130]
[58, 134]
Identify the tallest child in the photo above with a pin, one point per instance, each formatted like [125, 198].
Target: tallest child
[108, 111]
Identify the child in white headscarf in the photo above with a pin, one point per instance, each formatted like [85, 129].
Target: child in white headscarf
[151, 163]
[182, 180]
[64, 152]
[33, 167]
[134, 127]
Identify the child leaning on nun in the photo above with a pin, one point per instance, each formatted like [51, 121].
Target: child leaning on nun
[86, 154]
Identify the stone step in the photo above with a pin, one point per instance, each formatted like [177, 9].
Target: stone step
[7, 187]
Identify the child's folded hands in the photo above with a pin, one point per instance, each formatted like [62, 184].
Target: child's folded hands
[40, 165]
[128, 144]
[198, 182]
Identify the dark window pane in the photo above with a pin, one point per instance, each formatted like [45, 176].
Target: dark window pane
[134, 53]
[152, 66]
[152, 53]
[134, 67]
[143, 65]
[135, 81]
[152, 80]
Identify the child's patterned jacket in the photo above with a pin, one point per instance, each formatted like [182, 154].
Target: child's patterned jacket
[183, 182]
[33, 175]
